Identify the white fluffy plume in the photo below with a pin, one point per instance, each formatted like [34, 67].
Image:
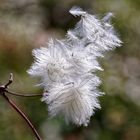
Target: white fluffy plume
[67, 67]
[76, 99]
[77, 11]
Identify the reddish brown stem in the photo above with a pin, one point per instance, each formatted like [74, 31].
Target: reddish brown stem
[20, 112]
[22, 95]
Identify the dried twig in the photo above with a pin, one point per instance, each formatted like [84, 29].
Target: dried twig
[22, 95]
[3, 91]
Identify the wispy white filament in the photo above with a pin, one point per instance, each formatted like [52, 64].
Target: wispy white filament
[67, 67]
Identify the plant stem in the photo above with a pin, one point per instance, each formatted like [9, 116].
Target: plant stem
[20, 112]
[22, 95]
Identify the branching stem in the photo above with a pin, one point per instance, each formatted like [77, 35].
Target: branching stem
[22, 95]
[20, 112]
[3, 91]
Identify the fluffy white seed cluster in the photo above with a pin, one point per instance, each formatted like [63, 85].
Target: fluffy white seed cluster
[67, 67]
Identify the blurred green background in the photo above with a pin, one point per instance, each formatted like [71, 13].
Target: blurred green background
[26, 24]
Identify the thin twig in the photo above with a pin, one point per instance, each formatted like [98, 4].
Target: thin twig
[22, 95]
[5, 87]
[10, 81]
[3, 91]
[20, 112]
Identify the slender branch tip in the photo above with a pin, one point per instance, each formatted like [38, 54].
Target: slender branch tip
[10, 81]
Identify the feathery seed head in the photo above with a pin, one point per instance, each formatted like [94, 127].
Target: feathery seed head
[67, 67]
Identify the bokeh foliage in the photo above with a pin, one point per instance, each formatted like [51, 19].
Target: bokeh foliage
[27, 24]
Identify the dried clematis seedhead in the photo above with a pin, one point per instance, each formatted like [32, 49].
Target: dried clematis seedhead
[67, 67]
